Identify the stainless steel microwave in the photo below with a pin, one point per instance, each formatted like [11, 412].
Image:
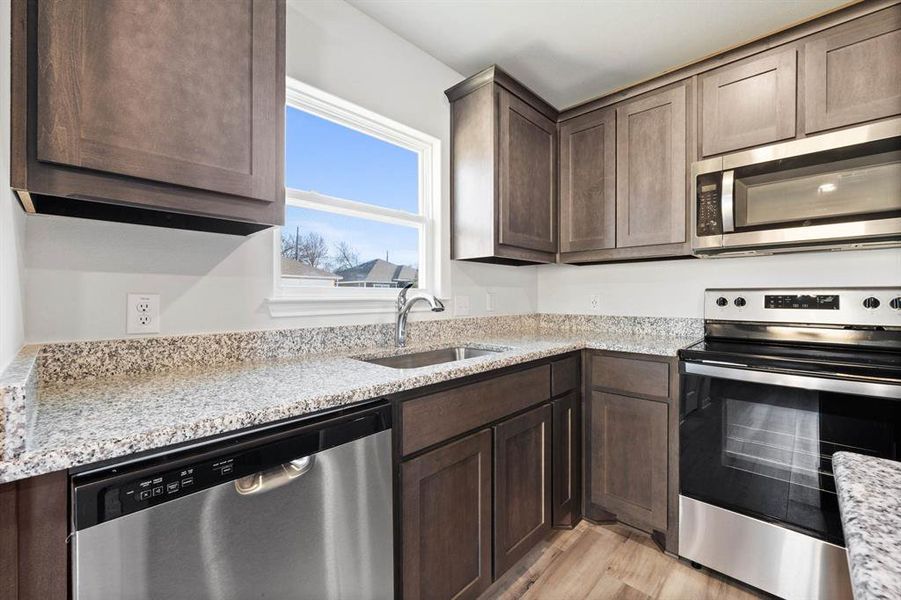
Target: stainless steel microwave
[837, 190]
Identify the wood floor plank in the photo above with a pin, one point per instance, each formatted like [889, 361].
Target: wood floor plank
[609, 561]
[575, 572]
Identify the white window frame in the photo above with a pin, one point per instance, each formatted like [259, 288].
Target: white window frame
[290, 301]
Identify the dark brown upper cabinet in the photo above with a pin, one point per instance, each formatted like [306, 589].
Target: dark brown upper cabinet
[853, 72]
[522, 485]
[446, 520]
[588, 182]
[651, 170]
[165, 113]
[504, 171]
[749, 103]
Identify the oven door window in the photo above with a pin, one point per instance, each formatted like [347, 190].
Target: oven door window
[766, 451]
[791, 193]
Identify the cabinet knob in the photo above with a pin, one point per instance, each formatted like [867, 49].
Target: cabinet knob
[721, 301]
[739, 302]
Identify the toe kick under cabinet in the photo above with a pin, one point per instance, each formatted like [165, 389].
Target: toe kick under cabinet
[631, 443]
[487, 468]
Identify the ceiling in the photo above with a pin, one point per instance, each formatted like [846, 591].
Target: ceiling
[569, 51]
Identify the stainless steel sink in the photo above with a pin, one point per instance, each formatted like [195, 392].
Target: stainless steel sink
[431, 357]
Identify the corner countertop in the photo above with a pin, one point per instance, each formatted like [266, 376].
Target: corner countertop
[82, 422]
[869, 497]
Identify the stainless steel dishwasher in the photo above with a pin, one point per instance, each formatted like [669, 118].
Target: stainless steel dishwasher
[296, 511]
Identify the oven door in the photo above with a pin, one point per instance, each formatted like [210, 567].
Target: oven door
[760, 443]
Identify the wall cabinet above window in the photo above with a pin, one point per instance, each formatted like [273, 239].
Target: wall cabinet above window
[158, 113]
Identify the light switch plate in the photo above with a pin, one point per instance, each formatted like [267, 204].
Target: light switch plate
[142, 313]
[595, 300]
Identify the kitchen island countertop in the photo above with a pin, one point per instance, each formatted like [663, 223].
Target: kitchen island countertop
[869, 496]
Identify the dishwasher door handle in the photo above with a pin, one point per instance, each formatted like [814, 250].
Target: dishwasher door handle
[276, 477]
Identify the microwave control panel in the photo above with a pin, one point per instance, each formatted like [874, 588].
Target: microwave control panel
[709, 215]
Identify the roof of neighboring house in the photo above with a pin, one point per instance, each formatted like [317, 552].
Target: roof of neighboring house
[295, 268]
[380, 271]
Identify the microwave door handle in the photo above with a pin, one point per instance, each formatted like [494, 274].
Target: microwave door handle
[726, 201]
[822, 384]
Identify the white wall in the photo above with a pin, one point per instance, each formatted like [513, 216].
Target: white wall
[78, 272]
[12, 223]
[675, 288]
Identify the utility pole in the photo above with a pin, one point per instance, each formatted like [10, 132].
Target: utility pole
[297, 244]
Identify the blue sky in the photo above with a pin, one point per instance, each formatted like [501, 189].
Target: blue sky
[332, 159]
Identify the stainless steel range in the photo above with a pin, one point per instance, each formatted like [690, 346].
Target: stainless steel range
[783, 379]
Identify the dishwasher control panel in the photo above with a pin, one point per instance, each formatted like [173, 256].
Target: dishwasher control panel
[160, 487]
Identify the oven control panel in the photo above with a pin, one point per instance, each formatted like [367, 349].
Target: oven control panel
[802, 301]
[877, 307]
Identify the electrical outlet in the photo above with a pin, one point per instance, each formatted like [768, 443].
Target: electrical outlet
[595, 300]
[142, 313]
[489, 302]
[461, 306]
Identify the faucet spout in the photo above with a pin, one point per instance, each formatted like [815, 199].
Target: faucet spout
[405, 302]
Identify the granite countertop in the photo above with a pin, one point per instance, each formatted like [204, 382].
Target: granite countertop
[81, 422]
[869, 497]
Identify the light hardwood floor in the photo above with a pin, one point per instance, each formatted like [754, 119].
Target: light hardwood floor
[609, 561]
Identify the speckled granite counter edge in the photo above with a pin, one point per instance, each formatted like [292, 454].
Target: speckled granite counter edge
[18, 386]
[869, 497]
[36, 363]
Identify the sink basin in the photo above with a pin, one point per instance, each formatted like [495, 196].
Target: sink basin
[431, 357]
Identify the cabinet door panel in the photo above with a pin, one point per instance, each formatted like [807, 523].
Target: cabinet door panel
[628, 459]
[168, 92]
[853, 72]
[527, 176]
[522, 499]
[650, 170]
[567, 510]
[749, 104]
[588, 182]
[446, 522]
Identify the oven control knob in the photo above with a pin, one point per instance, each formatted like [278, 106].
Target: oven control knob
[721, 301]
[739, 302]
[871, 303]
[895, 303]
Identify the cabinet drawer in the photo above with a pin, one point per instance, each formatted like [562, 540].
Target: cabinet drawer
[434, 418]
[564, 375]
[631, 375]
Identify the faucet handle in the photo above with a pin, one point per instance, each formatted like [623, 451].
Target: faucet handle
[402, 296]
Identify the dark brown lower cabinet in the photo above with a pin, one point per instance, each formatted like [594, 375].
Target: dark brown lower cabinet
[446, 520]
[34, 526]
[522, 485]
[567, 460]
[628, 460]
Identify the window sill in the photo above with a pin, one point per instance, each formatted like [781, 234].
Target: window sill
[332, 302]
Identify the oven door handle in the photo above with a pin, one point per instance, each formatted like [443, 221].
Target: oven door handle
[727, 201]
[821, 384]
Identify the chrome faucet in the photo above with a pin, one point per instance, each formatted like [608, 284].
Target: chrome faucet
[404, 304]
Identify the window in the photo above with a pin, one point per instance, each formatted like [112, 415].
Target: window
[361, 202]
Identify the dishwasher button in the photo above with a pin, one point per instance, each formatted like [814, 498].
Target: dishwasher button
[187, 481]
[157, 490]
[171, 488]
[226, 469]
[143, 495]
